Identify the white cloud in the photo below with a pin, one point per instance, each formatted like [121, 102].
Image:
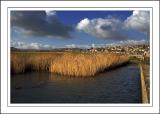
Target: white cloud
[50, 12]
[109, 28]
[133, 42]
[71, 46]
[77, 46]
[83, 24]
[139, 20]
[119, 43]
[34, 45]
[129, 42]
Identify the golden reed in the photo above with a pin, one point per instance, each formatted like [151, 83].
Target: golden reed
[31, 61]
[88, 64]
[67, 63]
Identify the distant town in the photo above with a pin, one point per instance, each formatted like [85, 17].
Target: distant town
[139, 51]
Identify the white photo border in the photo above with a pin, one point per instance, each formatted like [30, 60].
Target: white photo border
[59, 7]
[78, 9]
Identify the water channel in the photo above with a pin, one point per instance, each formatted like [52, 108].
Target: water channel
[121, 85]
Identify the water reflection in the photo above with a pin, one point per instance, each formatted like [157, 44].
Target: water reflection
[117, 86]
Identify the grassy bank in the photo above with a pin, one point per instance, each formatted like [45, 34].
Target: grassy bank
[146, 60]
[70, 64]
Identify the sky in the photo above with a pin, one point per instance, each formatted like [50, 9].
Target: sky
[48, 29]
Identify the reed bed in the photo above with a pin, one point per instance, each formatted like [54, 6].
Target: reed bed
[31, 61]
[88, 64]
[67, 63]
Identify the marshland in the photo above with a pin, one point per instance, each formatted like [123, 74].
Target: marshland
[73, 77]
[80, 56]
[65, 63]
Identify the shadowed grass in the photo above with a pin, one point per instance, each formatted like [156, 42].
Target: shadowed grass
[31, 61]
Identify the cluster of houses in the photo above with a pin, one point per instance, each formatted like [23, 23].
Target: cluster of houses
[138, 51]
[131, 50]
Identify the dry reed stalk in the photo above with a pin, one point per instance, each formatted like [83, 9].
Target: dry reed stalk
[70, 64]
[31, 61]
[89, 64]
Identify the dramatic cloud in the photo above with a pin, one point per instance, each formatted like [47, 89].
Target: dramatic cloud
[109, 28]
[23, 45]
[115, 29]
[139, 20]
[39, 23]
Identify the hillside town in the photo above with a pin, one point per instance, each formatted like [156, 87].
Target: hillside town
[138, 51]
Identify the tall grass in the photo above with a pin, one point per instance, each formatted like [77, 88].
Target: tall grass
[31, 61]
[78, 64]
[70, 64]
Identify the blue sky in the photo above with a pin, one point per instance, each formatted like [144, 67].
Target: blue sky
[54, 29]
[73, 17]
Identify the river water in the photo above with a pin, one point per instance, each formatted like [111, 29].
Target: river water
[121, 85]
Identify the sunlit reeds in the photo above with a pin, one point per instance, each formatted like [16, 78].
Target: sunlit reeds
[88, 64]
[31, 61]
[67, 63]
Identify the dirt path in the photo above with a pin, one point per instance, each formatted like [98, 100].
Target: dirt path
[146, 71]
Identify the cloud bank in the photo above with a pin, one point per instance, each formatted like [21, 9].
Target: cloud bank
[111, 28]
[39, 23]
[47, 24]
[139, 20]
[34, 45]
[119, 43]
